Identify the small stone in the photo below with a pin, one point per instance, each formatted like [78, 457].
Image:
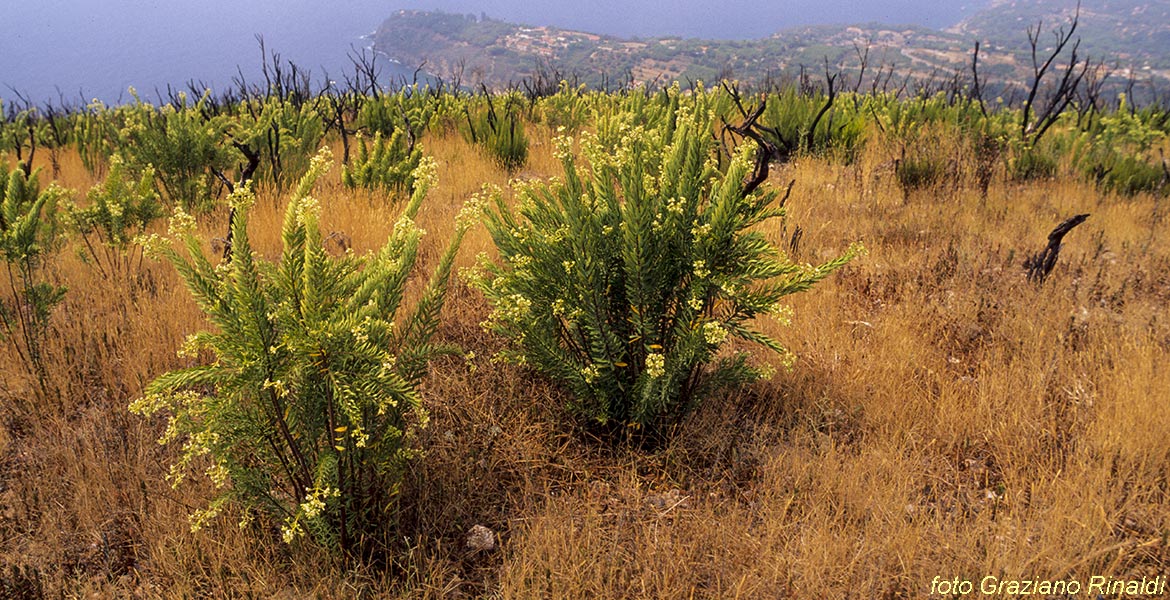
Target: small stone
[669, 500]
[481, 539]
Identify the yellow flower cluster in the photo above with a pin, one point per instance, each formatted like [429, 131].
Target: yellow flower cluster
[290, 531]
[512, 308]
[314, 503]
[180, 223]
[242, 198]
[714, 333]
[655, 365]
[473, 210]
[782, 313]
[563, 147]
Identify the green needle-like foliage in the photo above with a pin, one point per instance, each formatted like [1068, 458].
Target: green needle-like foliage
[304, 406]
[410, 108]
[568, 108]
[791, 116]
[385, 164]
[624, 279]
[500, 134]
[284, 134]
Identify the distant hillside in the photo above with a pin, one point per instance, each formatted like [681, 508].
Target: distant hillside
[478, 50]
[1136, 33]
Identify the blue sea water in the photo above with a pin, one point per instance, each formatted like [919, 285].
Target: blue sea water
[84, 49]
[77, 50]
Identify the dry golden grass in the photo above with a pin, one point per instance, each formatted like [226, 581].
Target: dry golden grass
[945, 418]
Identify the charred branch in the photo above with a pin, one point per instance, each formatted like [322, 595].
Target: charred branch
[1039, 265]
[751, 129]
[245, 176]
[976, 87]
[1036, 120]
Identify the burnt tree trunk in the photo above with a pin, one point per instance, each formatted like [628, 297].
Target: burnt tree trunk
[1039, 265]
[246, 173]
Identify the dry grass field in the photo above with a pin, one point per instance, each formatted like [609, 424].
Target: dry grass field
[946, 418]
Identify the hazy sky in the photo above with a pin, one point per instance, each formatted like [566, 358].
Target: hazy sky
[99, 47]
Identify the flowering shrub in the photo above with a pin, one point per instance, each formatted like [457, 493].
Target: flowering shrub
[29, 232]
[624, 280]
[304, 405]
[177, 143]
[118, 209]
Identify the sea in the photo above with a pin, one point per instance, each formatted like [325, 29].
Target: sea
[70, 52]
[75, 51]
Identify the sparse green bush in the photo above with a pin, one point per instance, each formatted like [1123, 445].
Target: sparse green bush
[791, 117]
[180, 144]
[500, 135]
[285, 134]
[987, 147]
[1117, 153]
[385, 164]
[29, 231]
[1029, 164]
[304, 407]
[1127, 174]
[447, 110]
[921, 168]
[118, 210]
[18, 132]
[95, 133]
[409, 107]
[625, 280]
[568, 108]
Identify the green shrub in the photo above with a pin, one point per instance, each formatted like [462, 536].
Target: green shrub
[118, 210]
[502, 136]
[95, 133]
[304, 407]
[1030, 164]
[411, 107]
[18, 132]
[181, 145]
[1118, 153]
[29, 231]
[386, 164]
[568, 108]
[1130, 175]
[921, 169]
[283, 133]
[790, 116]
[625, 280]
[507, 143]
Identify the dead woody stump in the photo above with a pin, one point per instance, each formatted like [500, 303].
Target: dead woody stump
[1039, 265]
